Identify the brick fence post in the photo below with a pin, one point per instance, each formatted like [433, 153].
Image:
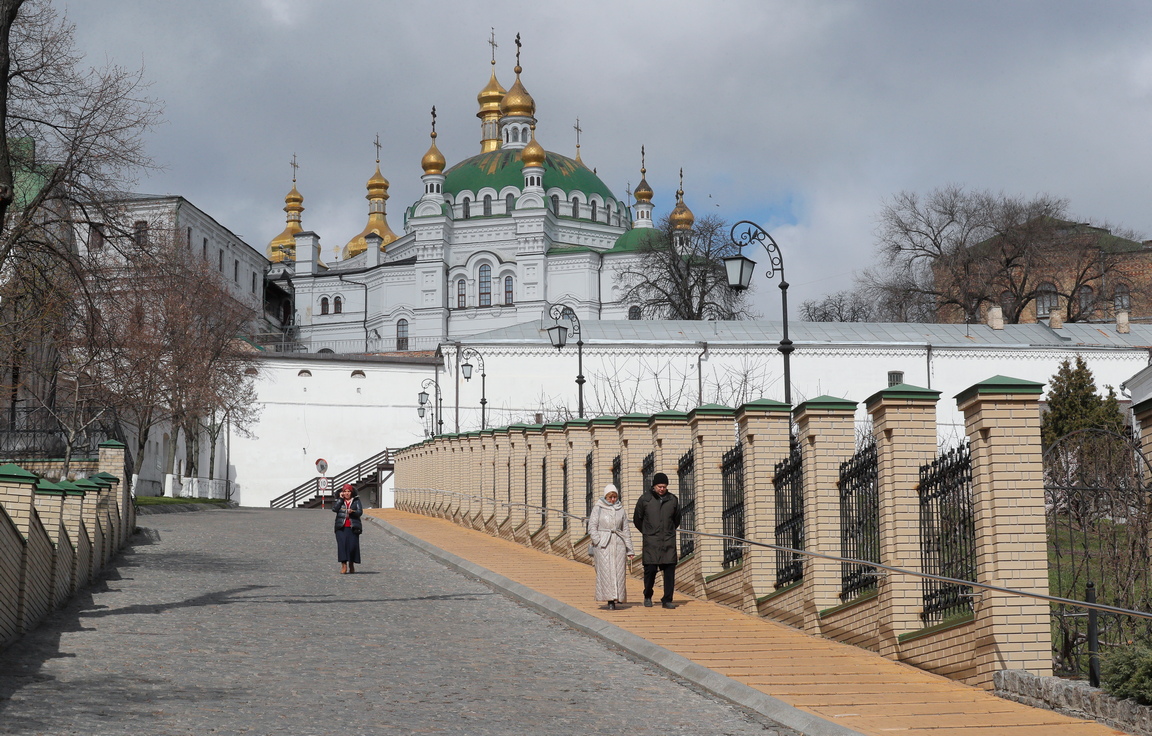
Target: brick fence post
[904, 425]
[111, 462]
[578, 438]
[671, 439]
[763, 427]
[713, 434]
[554, 453]
[605, 448]
[1002, 420]
[17, 490]
[826, 431]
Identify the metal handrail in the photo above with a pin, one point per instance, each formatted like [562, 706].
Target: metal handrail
[311, 486]
[852, 561]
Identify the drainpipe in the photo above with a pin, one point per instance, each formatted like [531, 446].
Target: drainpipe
[600, 289]
[361, 283]
[929, 364]
[700, 373]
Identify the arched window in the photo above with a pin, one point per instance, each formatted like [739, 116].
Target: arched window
[633, 312]
[608, 213]
[337, 306]
[1122, 298]
[358, 374]
[594, 213]
[401, 335]
[323, 305]
[509, 203]
[508, 290]
[515, 135]
[465, 209]
[487, 205]
[485, 286]
[1046, 299]
[1086, 298]
[575, 206]
[461, 294]
[556, 203]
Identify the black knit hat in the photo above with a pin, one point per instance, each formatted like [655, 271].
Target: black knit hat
[659, 478]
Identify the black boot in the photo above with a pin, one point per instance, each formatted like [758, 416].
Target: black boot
[611, 605]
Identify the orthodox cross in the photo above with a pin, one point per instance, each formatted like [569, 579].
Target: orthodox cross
[377, 144]
[517, 49]
[493, 44]
[294, 166]
[578, 130]
[643, 171]
[433, 120]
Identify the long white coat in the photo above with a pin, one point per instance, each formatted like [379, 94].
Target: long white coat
[608, 529]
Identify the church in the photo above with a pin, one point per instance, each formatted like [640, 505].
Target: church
[494, 239]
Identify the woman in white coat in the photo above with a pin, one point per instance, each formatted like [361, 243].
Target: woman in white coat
[611, 547]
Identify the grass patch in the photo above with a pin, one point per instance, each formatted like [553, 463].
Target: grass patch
[162, 500]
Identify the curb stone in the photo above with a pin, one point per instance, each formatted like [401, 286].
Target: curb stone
[710, 680]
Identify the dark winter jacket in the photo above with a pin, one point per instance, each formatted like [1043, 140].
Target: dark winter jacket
[356, 511]
[657, 518]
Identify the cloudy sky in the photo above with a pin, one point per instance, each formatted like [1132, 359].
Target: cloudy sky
[800, 116]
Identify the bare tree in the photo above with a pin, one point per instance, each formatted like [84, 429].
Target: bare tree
[843, 306]
[681, 275]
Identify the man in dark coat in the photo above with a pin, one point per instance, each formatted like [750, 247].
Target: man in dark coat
[657, 516]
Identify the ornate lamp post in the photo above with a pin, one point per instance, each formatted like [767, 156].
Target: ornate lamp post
[437, 409]
[558, 334]
[466, 368]
[740, 276]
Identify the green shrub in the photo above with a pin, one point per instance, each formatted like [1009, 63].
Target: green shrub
[1127, 673]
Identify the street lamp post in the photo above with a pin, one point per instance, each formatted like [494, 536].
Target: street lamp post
[739, 270]
[438, 407]
[467, 355]
[558, 334]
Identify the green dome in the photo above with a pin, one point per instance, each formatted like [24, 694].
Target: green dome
[637, 237]
[503, 168]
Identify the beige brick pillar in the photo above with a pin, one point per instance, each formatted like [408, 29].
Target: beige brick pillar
[671, 440]
[763, 427]
[1002, 420]
[605, 448]
[536, 464]
[49, 503]
[111, 462]
[111, 486]
[635, 444]
[95, 518]
[825, 430]
[481, 508]
[516, 475]
[713, 430]
[72, 516]
[578, 438]
[553, 450]
[502, 476]
[904, 426]
[16, 495]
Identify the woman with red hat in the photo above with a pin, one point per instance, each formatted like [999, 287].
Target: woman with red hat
[348, 527]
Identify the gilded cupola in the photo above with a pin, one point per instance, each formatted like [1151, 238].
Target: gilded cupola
[433, 161]
[643, 191]
[517, 102]
[377, 216]
[283, 246]
[681, 217]
[489, 114]
[533, 153]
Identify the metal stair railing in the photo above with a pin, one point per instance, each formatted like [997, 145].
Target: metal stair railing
[311, 487]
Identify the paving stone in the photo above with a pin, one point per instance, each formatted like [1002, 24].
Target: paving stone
[238, 622]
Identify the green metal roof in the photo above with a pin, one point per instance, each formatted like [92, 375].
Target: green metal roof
[636, 238]
[503, 168]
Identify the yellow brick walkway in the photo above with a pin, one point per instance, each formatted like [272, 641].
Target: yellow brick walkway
[840, 683]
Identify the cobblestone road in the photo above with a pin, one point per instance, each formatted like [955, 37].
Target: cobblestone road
[237, 622]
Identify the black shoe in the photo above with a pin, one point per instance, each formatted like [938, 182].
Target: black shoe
[647, 602]
[667, 604]
[611, 605]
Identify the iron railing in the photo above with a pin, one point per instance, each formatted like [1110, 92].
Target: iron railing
[358, 472]
[647, 470]
[947, 533]
[616, 479]
[686, 475]
[589, 489]
[732, 515]
[564, 492]
[859, 521]
[543, 490]
[788, 482]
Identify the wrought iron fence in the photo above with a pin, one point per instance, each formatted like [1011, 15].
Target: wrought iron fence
[647, 470]
[588, 488]
[947, 533]
[543, 493]
[732, 515]
[564, 496]
[1097, 496]
[686, 475]
[859, 522]
[788, 482]
[39, 433]
[616, 479]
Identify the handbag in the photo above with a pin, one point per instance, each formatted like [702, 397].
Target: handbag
[358, 530]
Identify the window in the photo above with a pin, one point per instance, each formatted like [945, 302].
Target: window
[485, 286]
[461, 294]
[487, 205]
[594, 211]
[465, 209]
[220, 260]
[337, 306]
[140, 233]
[358, 374]
[324, 305]
[508, 290]
[305, 373]
[95, 237]
[236, 271]
[205, 248]
[575, 206]
[1046, 299]
[402, 335]
[188, 237]
[634, 312]
[1086, 298]
[1122, 298]
[253, 282]
[509, 203]
[556, 203]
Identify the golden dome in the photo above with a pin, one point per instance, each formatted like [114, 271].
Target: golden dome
[643, 192]
[533, 153]
[377, 218]
[490, 97]
[433, 161]
[283, 246]
[517, 102]
[681, 217]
